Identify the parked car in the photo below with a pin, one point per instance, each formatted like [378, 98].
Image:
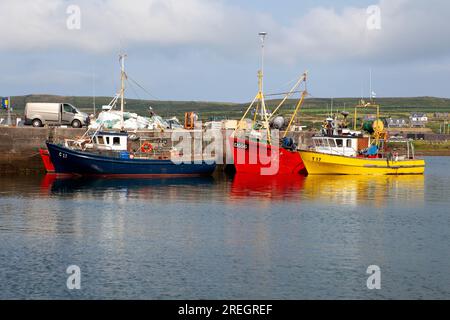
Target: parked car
[40, 114]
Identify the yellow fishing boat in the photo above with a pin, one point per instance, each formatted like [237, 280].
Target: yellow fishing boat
[321, 163]
[341, 151]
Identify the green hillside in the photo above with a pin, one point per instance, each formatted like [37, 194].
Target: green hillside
[164, 108]
[314, 108]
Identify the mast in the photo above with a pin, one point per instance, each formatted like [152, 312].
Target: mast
[261, 72]
[331, 108]
[93, 92]
[259, 99]
[372, 93]
[261, 77]
[261, 86]
[122, 88]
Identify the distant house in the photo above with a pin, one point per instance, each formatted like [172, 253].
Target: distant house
[370, 117]
[441, 115]
[418, 119]
[397, 122]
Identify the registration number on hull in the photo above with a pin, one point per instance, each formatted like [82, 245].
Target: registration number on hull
[239, 145]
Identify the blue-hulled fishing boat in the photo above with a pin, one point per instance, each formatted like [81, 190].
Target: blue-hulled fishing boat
[101, 162]
[120, 154]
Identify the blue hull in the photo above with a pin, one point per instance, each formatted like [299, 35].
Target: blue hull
[67, 161]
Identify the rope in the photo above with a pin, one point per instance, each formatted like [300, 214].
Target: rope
[141, 87]
[282, 93]
[134, 91]
[294, 80]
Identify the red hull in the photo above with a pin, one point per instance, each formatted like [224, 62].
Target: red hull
[247, 159]
[47, 161]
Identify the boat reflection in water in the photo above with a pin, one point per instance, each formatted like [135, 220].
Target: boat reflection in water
[334, 190]
[146, 189]
[357, 190]
[248, 186]
[338, 190]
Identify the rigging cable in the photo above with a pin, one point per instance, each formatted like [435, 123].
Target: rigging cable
[134, 90]
[145, 90]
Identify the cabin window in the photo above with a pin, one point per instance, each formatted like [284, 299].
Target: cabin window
[320, 142]
[100, 140]
[107, 140]
[116, 141]
[332, 143]
[340, 143]
[349, 143]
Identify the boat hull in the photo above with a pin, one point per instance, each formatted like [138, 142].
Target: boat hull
[68, 161]
[325, 164]
[45, 156]
[248, 161]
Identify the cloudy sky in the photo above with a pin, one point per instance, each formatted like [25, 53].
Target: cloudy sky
[209, 49]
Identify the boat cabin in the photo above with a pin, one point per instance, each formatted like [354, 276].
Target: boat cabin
[343, 146]
[115, 141]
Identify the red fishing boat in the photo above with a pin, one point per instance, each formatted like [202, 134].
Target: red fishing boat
[263, 146]
[45, 155]
[253, 157]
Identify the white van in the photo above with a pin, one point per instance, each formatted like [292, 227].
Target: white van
[40, 114]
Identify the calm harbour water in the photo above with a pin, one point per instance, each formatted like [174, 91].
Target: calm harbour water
[227, 238]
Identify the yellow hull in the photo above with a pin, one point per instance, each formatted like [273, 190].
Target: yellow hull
[327, 164]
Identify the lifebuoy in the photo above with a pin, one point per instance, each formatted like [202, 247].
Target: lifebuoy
[147, 147]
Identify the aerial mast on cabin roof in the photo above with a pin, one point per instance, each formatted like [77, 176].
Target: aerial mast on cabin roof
[259, 100]
[263, 39]
[261, 82]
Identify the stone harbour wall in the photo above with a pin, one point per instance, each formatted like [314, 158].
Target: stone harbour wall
[19, 146]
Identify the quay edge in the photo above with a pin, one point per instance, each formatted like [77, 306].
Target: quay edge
[19, 146]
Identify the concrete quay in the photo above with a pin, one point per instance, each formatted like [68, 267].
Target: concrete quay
[19, 146]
